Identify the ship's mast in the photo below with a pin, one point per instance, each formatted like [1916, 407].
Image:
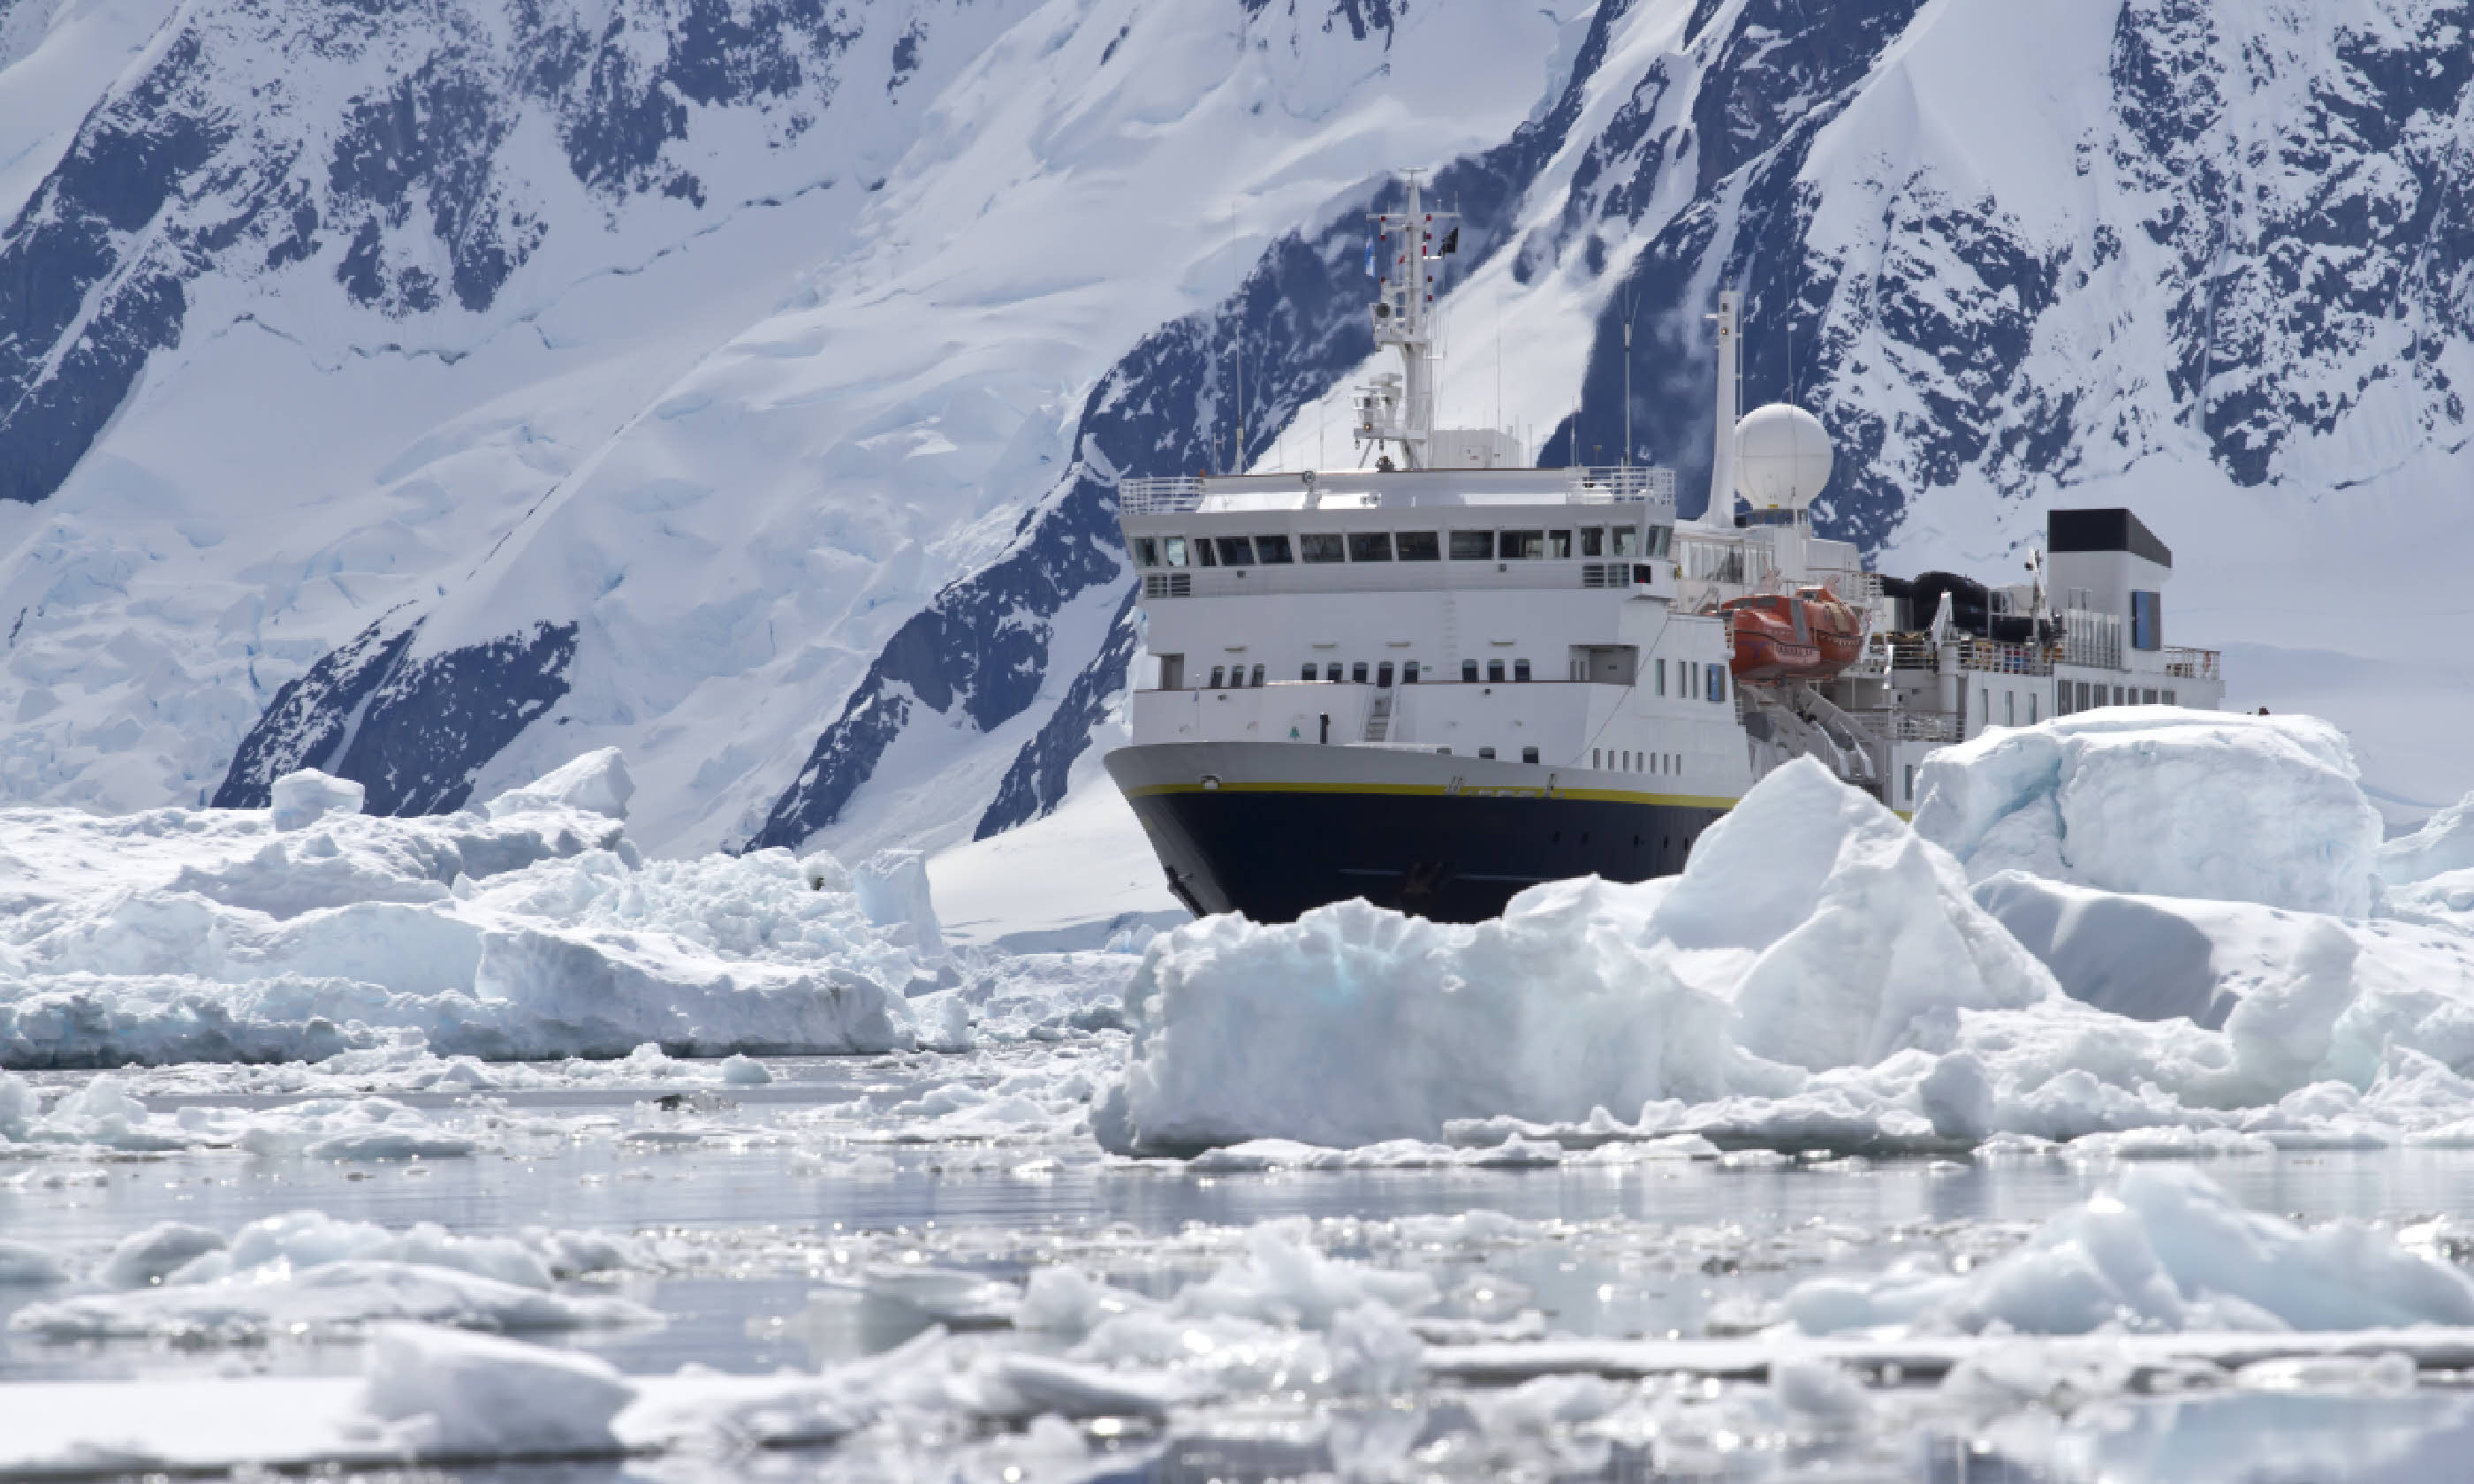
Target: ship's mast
[1721, 513]
[1398, 409]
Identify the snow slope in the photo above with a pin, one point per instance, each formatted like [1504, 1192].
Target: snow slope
[434, 396]
[627, 384]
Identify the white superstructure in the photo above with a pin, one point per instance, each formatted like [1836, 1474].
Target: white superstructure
[1378, 652]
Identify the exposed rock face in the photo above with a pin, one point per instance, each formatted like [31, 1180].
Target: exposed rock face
[2007, 256]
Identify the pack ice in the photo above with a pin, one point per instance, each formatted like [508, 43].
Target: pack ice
[529, 929]
[2167, 930]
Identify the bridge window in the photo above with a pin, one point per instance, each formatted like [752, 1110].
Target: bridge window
[1331, 670]
[1420, 547]
[1472, 545]
[1357, 673]
[1469, 672]
[1559, 545]
[1529, 755]
[1236, 551]
[1308, 673]
[1593, 541]
[1203, 553]
[1383, 675]
[1494, 672]
[1623, 541]
[1409, 673]
[1176, 550]
[1321, 546]
[1146, 551]
[1219, 677]
[1520, 545]
[1485, 752]
[1369, 545]
[1271, 550]
[1258, 681]
[1717, 684]
[1520, 671]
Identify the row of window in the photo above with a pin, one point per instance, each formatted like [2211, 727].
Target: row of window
[2083, 696]
[1334, 546]
[2070, 696]
[1693, 682]
[1627, 761]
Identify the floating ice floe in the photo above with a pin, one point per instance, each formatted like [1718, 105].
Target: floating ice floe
[2163, 1249]
[1821, 974]
[2158, 1285]
[531, 928]
[102, 1113]
[307, 1275]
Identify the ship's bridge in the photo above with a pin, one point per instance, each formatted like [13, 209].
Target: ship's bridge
[1380, 531]
[1312, 490]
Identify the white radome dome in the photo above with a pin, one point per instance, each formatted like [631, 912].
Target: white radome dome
[1782, 457]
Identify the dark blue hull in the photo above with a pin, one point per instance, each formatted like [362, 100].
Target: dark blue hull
[1272, 853]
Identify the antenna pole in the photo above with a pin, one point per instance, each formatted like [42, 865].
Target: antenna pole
[1241, 384]
[1721, 513]
[1627, 458]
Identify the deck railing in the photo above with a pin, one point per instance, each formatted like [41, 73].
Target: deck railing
[1159, 496]
[2190, 664]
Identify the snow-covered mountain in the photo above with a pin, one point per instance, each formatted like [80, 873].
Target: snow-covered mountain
[434, 392]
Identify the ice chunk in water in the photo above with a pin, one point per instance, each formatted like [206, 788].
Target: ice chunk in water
[893, 892]
[448, 1395]
[143, 1258]
[302, 798]
[2444, 842]
[2162, 800]
[23, 1263]
[595, 784]
[1810, 929]
[2163, 1249]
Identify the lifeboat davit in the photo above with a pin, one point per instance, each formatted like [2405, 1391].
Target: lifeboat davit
[1808, 635]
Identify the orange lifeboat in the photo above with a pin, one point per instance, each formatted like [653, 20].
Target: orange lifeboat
[1809, 635]
[1838, 629]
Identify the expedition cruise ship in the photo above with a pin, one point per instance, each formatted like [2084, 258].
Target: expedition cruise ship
[1439, 681]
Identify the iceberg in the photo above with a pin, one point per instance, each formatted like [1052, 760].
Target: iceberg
[1811, 930]
[2152, 925]
[530, 928]
[2162, 802]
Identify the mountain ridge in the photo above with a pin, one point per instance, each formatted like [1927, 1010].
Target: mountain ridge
[837, 561]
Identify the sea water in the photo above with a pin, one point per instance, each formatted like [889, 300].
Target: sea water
[764, 1231]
